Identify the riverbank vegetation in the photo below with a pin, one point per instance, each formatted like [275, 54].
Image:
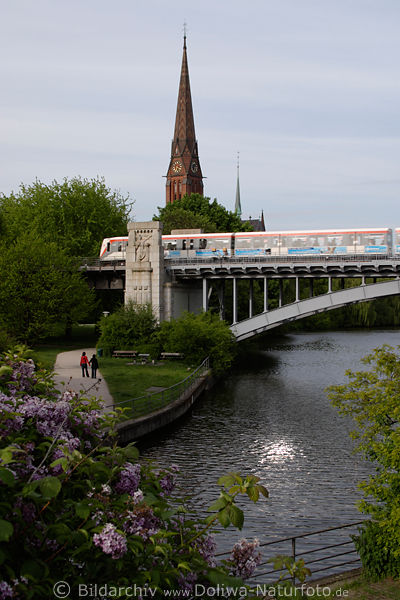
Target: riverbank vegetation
[195, 337]
[372, 399]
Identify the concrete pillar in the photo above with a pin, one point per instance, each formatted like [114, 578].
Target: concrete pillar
[145, 266]
[251, 298]
[265, 294]
[311, 281]
[221, 299]
[297, 289]
[234, 292]
[363, 280]
[205, 294]
[280, 292]
[329, 285]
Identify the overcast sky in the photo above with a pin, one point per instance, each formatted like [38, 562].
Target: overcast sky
[308, 91]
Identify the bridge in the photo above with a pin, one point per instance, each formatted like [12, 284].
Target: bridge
[174, 285]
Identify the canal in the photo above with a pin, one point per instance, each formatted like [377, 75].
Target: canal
[271, 417]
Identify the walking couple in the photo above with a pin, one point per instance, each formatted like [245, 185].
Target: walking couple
[92, 362]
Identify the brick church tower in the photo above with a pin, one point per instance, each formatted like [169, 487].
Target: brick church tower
[184, 172]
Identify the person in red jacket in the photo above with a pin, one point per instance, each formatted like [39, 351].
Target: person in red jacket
[84, 364]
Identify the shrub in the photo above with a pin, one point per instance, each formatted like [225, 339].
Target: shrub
[78, 509]
[377, 558]
[199, 336]
[132, 324]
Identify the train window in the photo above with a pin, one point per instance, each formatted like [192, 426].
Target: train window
[108, 246]
[183, 244]
[203, 244]
[191, 245]
[119, 247]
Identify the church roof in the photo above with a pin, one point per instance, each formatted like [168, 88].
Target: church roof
[184, 134]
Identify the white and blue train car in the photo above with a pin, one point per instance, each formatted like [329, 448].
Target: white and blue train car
[314, 242]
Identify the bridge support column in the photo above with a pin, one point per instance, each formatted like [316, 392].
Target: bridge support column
[363, 280]
[221, 299]
[311, 288]
[145, 266]
[265, 294]
[280, 292]
[205, 294]
[297, 289]
[329, 285]
[234, 292]
[251, 298]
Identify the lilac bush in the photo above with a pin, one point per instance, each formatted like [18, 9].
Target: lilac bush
[76, 507]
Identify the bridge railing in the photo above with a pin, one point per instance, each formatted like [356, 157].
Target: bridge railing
[367, 258]
[152, 401]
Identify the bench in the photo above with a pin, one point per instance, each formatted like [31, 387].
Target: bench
[165, 355]
[124, 353]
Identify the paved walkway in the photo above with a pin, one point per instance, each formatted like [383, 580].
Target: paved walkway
[68, 375]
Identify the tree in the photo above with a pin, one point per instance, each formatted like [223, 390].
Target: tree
[130, 325]
[199, 336]
[198, 212]
[76, 214]
[40, 286]
[372, 399]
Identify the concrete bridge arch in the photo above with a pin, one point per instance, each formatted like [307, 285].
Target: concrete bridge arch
[311, 306]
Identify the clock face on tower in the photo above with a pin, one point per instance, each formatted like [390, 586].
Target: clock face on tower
[177, 166]
[194, 167]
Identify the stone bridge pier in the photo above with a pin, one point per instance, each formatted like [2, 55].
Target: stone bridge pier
[146, 279]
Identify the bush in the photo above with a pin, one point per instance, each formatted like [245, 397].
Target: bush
[132, 324]
[77, 508]
[199, 336]
[377, 558]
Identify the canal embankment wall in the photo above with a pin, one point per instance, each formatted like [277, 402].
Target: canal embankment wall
[133, 430]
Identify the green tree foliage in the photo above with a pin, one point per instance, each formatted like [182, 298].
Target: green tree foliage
[198, 212]
[372, 399]
[40, 286]
[76, 214]
[129, 327]
[199, 336]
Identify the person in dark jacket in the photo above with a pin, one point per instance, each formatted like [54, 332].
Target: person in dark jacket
[93, 362]
[84, 364]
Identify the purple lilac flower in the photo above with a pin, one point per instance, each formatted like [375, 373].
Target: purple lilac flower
[245, 558]
[110, 541]
[129, 479]
[206, 547]
[6, 590]
[186, 581]
[142, 521]
[28, 510]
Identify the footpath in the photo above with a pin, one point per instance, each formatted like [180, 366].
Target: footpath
[68, 375]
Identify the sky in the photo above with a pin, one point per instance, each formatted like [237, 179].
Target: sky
[307, 91]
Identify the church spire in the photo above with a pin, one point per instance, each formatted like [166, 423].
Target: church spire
[184, 172]
[238, 207]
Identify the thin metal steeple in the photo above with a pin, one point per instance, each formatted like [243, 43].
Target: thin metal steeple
[238, 207]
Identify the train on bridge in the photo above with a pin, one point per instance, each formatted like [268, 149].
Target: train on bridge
[328, 242]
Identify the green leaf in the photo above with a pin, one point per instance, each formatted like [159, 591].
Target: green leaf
[218, 577]
[7, 476]
[6, 530]
[34, 569]
[228, 480]
[253, 493]
[236, 515]
[263, 490]
[218, 504]
[82, 510]
[50, 487]
[223, 518]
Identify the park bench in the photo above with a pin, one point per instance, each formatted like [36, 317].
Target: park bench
[124, 354]
[165, 355]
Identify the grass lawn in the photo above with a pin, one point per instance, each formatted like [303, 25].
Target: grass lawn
[127, 381]
[361, 589]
